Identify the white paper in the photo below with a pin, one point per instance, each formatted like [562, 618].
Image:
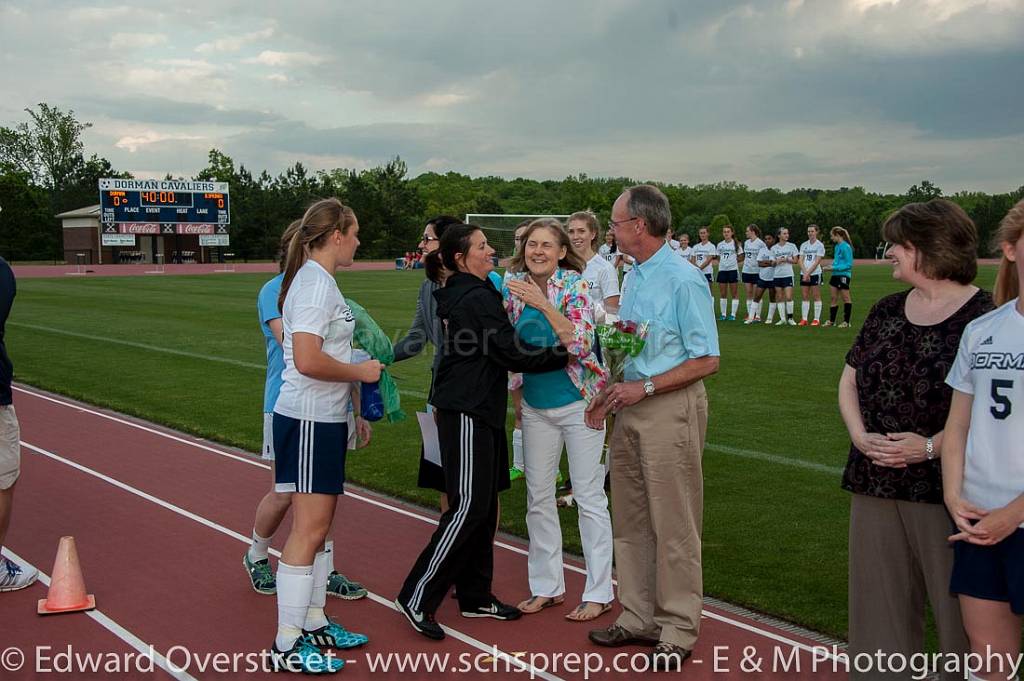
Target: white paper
[431, 445]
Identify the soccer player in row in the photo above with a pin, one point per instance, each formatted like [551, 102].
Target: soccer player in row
[982, 470]
[751, 248]
[811, 253]
[704, 254]
[727, 254]
[784, 255]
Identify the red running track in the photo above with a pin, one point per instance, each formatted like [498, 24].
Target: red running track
[162, 519]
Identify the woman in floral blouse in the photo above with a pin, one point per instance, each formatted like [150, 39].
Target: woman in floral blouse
[548, 302]
[894, 400]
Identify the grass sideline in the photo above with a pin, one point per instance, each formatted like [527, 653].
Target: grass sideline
[185, 351]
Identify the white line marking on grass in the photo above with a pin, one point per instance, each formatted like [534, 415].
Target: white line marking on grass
[110, 625]
[774, 458]
[454, 633]
[390, 507]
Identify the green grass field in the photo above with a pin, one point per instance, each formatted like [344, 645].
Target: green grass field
[187, 352]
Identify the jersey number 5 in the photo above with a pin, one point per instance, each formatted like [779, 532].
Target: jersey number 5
[1002, 407]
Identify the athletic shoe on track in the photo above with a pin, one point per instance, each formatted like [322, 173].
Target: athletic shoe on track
[792, 322]
[333, 635]
[815, 323]
[721, 318]
[421, 621]
[781, 322]
[340, 586]
[14, 577]
[803, 322]
[304, 658]
[495, 610]
[732, 318]
[263, 580]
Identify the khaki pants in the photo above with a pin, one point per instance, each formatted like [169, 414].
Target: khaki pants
[10, 447]
[899, 561]
[657, 513]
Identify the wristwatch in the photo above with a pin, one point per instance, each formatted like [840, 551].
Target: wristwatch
[929, 449]
[648, 387]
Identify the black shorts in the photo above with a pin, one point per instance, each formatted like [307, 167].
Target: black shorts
[783, 282]
[310, 456]
[750, 277]
[993, 573]
[813, 280]
[765, 283]
[707, 275]
[728, 276]
[840, 282]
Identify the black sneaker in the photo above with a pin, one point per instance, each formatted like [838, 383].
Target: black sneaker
[495, 610]
[421, 621]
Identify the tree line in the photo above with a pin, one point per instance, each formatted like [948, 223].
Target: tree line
[44, 171]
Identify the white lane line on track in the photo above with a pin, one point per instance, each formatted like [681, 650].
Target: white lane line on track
[454, 633]
[402, 511]
[113, 627]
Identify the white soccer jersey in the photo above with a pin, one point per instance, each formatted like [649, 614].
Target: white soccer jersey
[686, 253]
[990, 366]
[808, 252]
[751, 247]
[702, 253]
[315, 305]
[788, 249]
[727, 256]
[604, 281]
[766, 273]
[673, 244]
[605, 251]
[627, 263]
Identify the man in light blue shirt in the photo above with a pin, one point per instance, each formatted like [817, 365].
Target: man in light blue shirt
[656, 447]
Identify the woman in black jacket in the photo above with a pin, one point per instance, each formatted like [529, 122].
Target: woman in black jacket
[471, 405]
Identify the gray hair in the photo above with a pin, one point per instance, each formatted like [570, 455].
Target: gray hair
[650, 203]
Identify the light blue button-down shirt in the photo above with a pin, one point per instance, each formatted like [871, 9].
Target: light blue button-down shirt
[674, 299]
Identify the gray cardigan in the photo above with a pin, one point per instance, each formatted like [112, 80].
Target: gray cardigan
[426, 326]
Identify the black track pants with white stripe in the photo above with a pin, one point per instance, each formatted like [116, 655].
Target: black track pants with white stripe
[461, 550]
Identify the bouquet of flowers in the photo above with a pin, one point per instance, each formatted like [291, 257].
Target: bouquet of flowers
[624, 338]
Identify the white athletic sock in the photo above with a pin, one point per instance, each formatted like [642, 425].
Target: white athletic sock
[315, 617]
[789, 307]
[771, 312]
[757, 309]
[260, 549]
[329, 550]
[721, 305]
[735, 306]
[817, 310]
[294, 589]
[750, 308]
[805, 307]
[517, 450]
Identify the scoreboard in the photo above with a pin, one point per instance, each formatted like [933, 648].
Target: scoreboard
[164, 202]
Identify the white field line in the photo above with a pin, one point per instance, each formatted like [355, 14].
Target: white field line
[206, 522]
[110, 625]
[406, 512]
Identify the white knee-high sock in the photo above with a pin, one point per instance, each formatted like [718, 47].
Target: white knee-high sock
[735, 306]
[817, 310]
[771, 312]
[721, 305]
[294, 590]
[757, 308]
[315, 617]
[260, 548]
[750, 308]
[805, 307]
[517, 450]
[329, 550]
[789, 307]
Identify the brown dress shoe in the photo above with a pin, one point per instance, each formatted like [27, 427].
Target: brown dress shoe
[667, 657]
[616, 636]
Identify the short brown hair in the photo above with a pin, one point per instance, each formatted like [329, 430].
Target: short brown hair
[943, 235]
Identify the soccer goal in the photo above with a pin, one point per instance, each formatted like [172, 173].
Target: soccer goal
[500, 229]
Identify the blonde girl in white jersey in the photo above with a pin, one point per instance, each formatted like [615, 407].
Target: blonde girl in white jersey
[983, 466]
[811, 253]
[751, 247]
[785, 255]
[728, 275]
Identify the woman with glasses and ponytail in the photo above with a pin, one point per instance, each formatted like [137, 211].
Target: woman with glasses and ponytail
[311, 431]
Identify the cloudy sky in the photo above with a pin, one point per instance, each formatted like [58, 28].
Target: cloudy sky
[783, 93]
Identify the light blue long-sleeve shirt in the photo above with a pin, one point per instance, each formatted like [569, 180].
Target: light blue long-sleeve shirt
[842, 263]
[673, 298]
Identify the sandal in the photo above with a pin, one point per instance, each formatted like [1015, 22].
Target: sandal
[587, 611]
[535, 604]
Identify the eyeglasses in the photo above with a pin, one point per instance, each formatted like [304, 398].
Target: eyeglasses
[612, 224]
[428, 238]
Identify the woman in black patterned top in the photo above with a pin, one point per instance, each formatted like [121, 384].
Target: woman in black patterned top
[894, 401]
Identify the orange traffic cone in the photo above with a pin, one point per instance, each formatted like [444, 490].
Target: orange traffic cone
[67, 588]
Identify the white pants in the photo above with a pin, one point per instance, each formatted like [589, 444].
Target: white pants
[544, 433]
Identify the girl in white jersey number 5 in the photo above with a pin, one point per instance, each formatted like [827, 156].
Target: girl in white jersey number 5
[983, 464]
[311, 430]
